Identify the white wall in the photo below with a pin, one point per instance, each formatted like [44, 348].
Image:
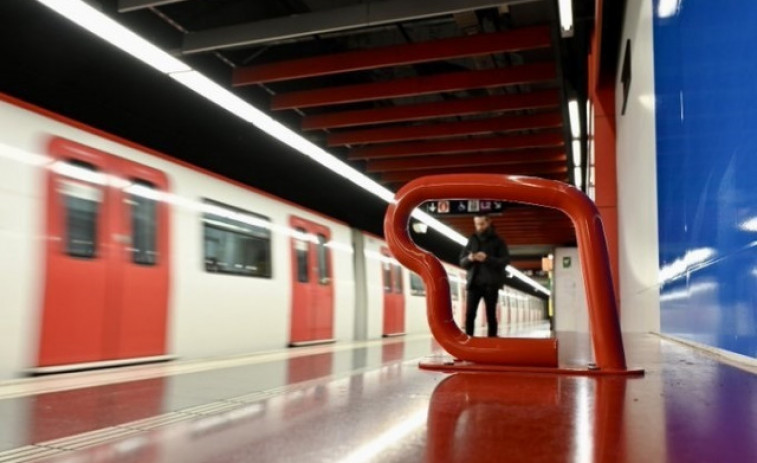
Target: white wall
[637, 181]
[571, 309]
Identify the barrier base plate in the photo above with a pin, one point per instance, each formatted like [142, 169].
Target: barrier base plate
[450, 365]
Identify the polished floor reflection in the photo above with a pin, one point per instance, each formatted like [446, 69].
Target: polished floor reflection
[370, 402]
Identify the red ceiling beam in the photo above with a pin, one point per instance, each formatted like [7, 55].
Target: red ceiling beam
[467, 159]
[466, 107]
[560, 177]
[521, 169]
[452, 82]
[457, 146]
[446, 130]
[397, 55]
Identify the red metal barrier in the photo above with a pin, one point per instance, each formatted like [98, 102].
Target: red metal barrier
[510, 353]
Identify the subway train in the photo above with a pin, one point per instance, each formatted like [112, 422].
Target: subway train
[115, 254]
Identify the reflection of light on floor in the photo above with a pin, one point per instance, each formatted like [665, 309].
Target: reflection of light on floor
[583, 442]
[388, 438]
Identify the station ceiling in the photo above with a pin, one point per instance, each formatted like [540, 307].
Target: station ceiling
[398, 89]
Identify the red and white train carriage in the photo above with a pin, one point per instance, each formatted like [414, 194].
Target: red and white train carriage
[114, 253]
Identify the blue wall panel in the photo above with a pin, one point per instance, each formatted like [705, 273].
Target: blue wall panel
[706, 121]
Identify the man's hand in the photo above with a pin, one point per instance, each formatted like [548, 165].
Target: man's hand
[479, 256]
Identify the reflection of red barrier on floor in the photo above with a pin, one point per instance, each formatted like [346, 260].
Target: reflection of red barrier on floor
[491, 417]
[510, 353]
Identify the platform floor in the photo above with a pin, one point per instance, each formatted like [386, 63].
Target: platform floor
[369, 402]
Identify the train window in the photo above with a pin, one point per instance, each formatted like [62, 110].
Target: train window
[417, 288]
[303, 250]
[324, 272]
[81, 200]
[386, 273]
[144, 219]
[237, 242]
[397, 278]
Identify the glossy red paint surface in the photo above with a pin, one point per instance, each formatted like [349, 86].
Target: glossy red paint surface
[605, 327]
[73, 310]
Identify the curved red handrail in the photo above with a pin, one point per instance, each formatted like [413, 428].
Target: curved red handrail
[603, 315]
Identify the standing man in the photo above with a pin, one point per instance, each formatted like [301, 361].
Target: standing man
[485, 258]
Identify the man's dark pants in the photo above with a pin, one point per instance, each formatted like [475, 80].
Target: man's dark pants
[490, 295]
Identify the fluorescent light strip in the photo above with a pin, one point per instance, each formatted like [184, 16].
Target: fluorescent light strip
[521, 276]
[575, 121]
[578, 178]
[205, 87]
[440, 227]
[576, 148]
[566, 17]
[111, 31]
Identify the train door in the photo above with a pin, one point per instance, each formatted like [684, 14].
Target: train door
[140, 282]
[88, 289]
[77, 256]
[394, 297]
[312, 283]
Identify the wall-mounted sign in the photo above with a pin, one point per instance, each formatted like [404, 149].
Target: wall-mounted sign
[463, 207]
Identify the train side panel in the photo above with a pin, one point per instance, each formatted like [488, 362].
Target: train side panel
[374, 260]
[21, 244]
[209, 313]
[416, 319]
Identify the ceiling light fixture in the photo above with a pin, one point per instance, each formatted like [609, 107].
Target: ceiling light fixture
[575, 121]
[576, 148]
[108, 29]
[566, 17]
[578, 179]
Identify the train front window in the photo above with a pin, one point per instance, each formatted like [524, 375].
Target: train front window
[236, 241]
[324, 272]
[81, 200]
[144, 219]
[302, 247]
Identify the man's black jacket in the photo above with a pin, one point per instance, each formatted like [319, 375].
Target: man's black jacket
[491, 272]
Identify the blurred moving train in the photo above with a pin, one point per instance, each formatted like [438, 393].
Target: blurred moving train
[114, 254]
